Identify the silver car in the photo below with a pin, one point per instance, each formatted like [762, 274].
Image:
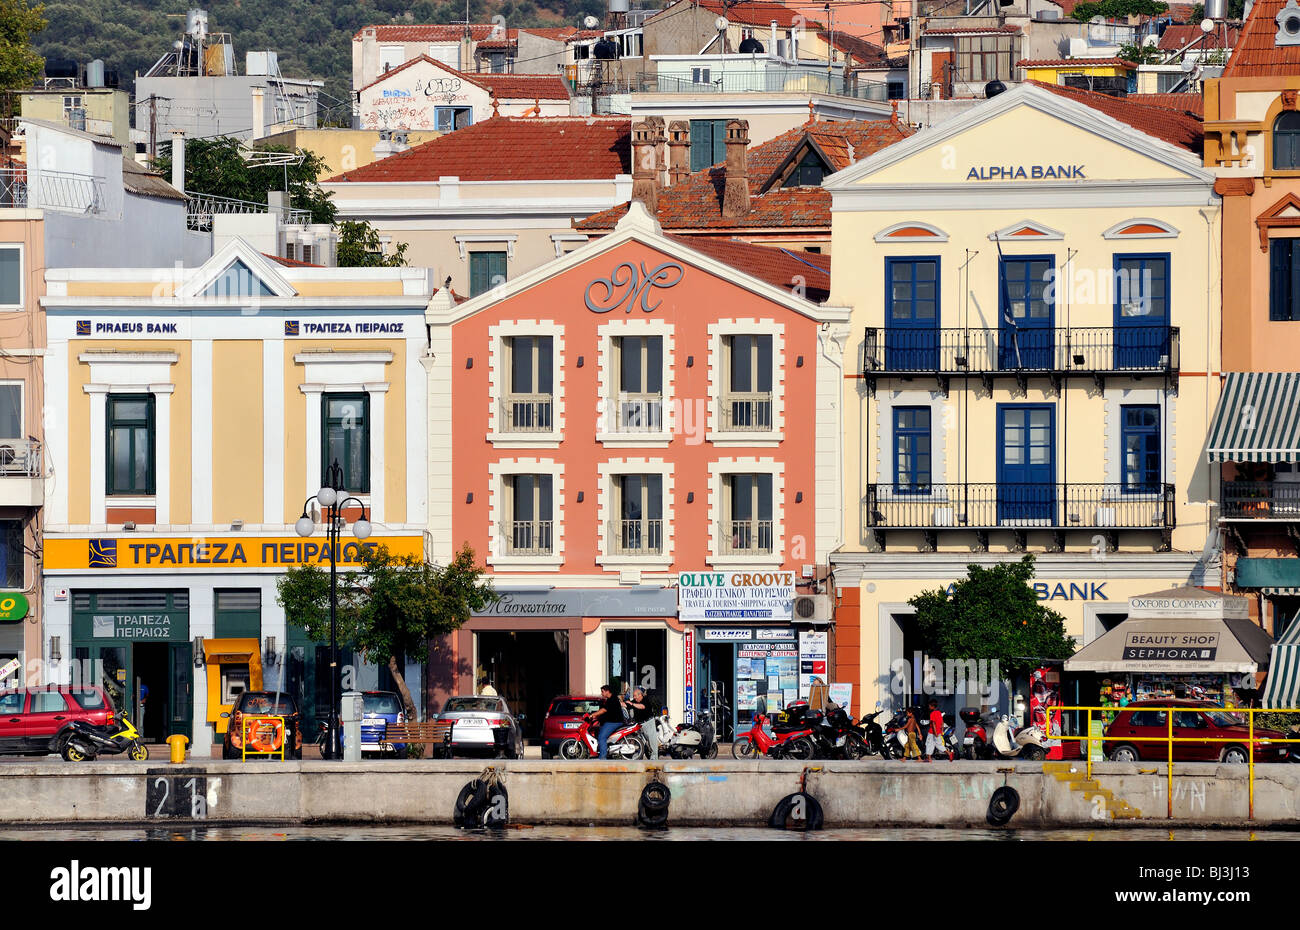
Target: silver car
[477, 718]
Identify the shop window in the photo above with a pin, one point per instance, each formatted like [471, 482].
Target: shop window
[639, 360]
[486, 271]
[747, 368]
[345, 438]
[708, 136]
[12, 554]
[529, 402]
[1286, 141]
[747, 504]
[639, 502]
[912, 450]
[131, 444]
[530, 529]
[1140, 436]
[11, 277]
[1284, 280]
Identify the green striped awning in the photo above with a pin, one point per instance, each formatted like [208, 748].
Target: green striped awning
[1258, 418]
[1271, 576]
[1282, 686]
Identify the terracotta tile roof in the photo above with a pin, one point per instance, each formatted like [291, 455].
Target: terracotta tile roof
[497, 43]
[1067, 6]
[1177, 35]
[1075, 63]
[1256, 54]
[1183, 103]
[749, 13]
[784, 268]
[291, 262]
[859, 48]
[428, 33]
[972, 30]
[1159, 121]
[696, 203]
[552, 148]
[523, 86]
[140, 180]
[410, 63]
[884, 64]
[1182, 12]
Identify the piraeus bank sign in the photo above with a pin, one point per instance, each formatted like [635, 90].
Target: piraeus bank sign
[215, 554]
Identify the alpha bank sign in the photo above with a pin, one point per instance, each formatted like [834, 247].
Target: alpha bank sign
[1027, 173]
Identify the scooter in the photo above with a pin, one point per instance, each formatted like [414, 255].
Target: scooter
[872, 731]
[893, 740]
[976, 741]
[1023, 744]
[691, 739]
[795, 744]
[624, 743]
[84, 741]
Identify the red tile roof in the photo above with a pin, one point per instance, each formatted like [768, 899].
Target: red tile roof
[1075, 63]
[507, 148]
[428, 33]
[747, 13]
[784, 268]
[1256, 53]
[502, 86]
[1067, 6]
[1181, 12]
[290, 262]
[859, 48]
[972, 30]
[1183, 103]
[1159, 121]
[696, 203]
[1178, 35]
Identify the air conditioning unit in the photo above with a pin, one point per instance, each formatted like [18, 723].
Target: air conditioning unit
[812, 608]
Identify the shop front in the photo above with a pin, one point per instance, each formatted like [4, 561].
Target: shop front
[14, 611]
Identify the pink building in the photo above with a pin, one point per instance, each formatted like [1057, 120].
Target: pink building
[632, 411]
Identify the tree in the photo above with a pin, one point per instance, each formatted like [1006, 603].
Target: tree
[359, 247]
[391, 606]
[992, 613]
[216, 167]
[1141, 54]
[1118, 9]
[19, 62]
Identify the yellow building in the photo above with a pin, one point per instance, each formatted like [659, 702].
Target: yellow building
[199, 408]
[1116, 73]
[105, 111]
[342, 149]
[1036, 312]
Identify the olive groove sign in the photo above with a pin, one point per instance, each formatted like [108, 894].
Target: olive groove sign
[170, 797]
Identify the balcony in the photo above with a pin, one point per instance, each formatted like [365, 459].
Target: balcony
[63, 191]
[791, 80]
[746, 537]
[527, 413]
[527, 537]
[200, 208]
[22, 479]
[636, 537]
[1098, 508]
[1057, 353]
[640, 413]
[1276, 501]
[747, 412]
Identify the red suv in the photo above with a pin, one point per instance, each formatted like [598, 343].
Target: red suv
[32, 720]
[1217, 736]
[563, 718]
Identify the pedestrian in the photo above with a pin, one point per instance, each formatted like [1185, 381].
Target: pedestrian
[912, 729]
[644, 711]
[610, 718]
[485, 687]
[934, 739]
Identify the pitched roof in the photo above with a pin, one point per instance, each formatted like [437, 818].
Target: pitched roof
[696, 203]
[859, 48]
[551, 148]
[1075, 63]
[748, 13]
[972, 30]
[777, 266]
[138, 179]
[290, 262]
[428, 33]
[1177, 35]
[1192, 104]
[1159, 121]
[501, 86]
[1256, 54]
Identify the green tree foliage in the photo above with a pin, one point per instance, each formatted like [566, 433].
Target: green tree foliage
[1141, 54]
[391, 605]
[993, 613]
[20, 64]
[1118, 9]
[359, 247]
[215, 167]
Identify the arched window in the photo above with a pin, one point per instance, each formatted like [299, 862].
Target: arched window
[1286, 141]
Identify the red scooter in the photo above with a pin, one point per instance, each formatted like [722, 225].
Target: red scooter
[796, 744]
[624, 743]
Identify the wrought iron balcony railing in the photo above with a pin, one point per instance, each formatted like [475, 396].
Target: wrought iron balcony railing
[527, 413]
[746, 537]
[636, 537]
[745, 412]
[63, 191]
[1260, 500]
[527, 537]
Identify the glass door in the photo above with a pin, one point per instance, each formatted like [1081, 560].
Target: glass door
[1026, 466]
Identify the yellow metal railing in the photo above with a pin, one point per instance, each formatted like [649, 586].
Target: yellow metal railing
[1169, 739]
[261, 724]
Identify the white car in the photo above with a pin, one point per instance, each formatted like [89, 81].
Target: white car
[477, 719]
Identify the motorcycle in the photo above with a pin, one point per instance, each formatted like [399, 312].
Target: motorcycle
[793, 744]
[975, 742]
[872, 732]
[624, 743]
[893, 739]
[837, 737]
[1025, 743]
[698, 738]
[84, 741]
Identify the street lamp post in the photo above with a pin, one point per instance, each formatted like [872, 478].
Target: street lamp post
[332, 501]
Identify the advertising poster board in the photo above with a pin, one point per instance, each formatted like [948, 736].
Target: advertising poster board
[812, 660]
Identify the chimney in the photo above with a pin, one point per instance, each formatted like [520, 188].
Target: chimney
[679, 151]
[647, 137]
[771, 42]
[735, 193]
[178, 159]
[277, 202]
[466, 50]
[391, 142]
[259, 113]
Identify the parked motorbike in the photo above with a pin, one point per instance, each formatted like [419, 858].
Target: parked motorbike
[894, 738]
[976, 741]
[694, 739]
[84, 741]
[872, 731]
[792, 744]
[1026, 743]
[837, 737]
[624, 743]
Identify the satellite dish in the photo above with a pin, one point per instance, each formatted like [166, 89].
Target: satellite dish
[720, 23]
[1207, 25]
[590, 22]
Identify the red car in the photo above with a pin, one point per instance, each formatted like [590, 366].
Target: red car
[32, 720]
[563, 718]
[1218, 736]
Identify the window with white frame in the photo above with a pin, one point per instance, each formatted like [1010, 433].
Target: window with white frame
[746, 402]
[639, 363]
[747, 523]
[11, 411]
[390, 57]
[529, 525]
[528, 402]
[638, 527]
[11, 277]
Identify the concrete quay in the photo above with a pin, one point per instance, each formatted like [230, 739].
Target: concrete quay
[721, 792]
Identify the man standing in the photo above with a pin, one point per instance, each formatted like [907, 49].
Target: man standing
[644, 711]
[485, 687]
[934, 739]
[610, 718]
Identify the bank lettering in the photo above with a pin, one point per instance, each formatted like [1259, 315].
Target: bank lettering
[220, 553]
[1026, 173]
[1088, 591]
[348, 328]
[131, 328]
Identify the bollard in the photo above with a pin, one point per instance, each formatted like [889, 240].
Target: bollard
[177, 744]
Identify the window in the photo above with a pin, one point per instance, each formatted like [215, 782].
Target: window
[747, 367]
[747, 504]
[708, 140]
[12, 703]
[1025, 287]
[984, 58]
[390, 56]
[1140, 435]
[11, 415]
[345, 438]
[808, 173]
[11, 277]
[1286, 141]
[1142, 287]
[48, 702]
[449, 119]
[912, 450]
[896, 90]
[237, 281]
[528, 502]
[529, 401]
[71, 103]
[11, 555]
[131, 439]
[486, 271]
[700, 76]
[912, 317]
[1284, 279]
[1027, 338]
[640, 388]
[639, 502]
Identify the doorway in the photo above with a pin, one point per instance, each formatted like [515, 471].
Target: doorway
[717, 685]
[151, 701]
[637, 658]
[528, 669]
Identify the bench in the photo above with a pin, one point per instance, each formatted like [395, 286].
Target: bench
[436, 733]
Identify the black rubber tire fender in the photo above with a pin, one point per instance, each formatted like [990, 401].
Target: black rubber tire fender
[651, 818]
[487, 815]
[469, 804]
[655, 796]
[1003, 805]
[812, 819]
